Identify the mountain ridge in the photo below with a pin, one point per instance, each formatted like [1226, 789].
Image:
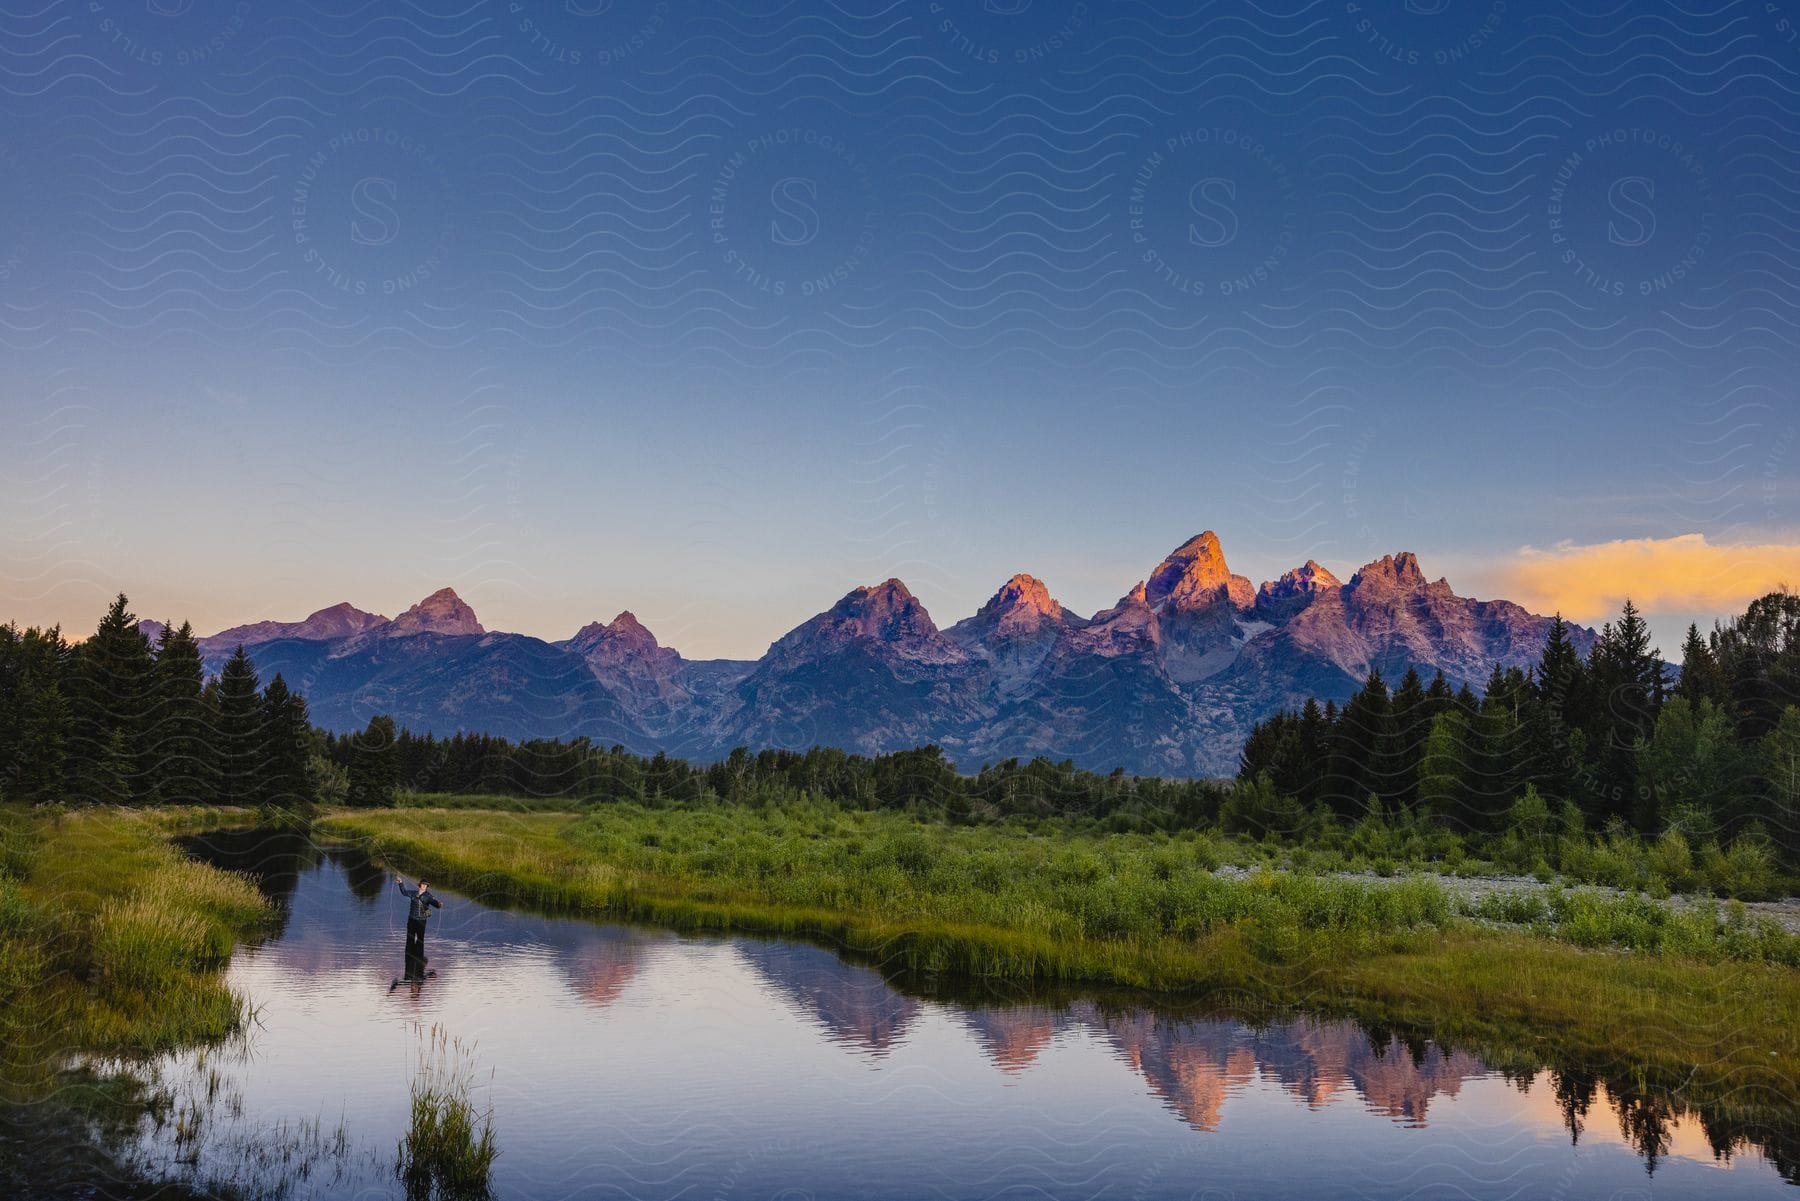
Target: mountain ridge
[1168, 681]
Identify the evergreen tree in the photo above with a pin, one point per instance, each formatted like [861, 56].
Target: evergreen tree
[1558, 668]
[327, 781]
[111, 694]
[1276, 749]
[1442, 770]
[1262, 749]
[1466, 702]
[12, 687]
[1759, 656]
[39, 769]
[1499, 758]
[287, 739]
[1560, 709]
[1411, 724]
[179, 720]
[1701, 679]
[1439, 698]
[374, 765]
[1692, 761]
[1629, 680]
[107, 780]
[1532, 757]
[1360, 748]
[34, 713]
[239, 738]
[1779, 752]
[1258, 808]
[1312, 742]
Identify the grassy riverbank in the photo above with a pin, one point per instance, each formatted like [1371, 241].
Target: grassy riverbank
[1709, 998]
[111, 941]
[1070, 906]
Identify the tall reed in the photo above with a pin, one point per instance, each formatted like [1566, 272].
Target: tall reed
[448, 1151]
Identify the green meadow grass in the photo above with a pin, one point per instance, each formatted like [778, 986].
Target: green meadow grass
[407, 799]
[1079, 895]
[1702, 998]
[111, 941]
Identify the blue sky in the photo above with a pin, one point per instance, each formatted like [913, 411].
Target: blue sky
[713, 311]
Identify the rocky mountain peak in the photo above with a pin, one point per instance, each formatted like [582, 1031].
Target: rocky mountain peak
[627, 631]
[1024, 592]
[889, 591]
[443, 612]
[1127, 628]
[1194, 576]
[338, 621]
[882, 611]
[627, 623]
[1280, 599]
[1304, 580]
[887, 611]
[624, 634]
[620, 642]
[1150, 684]
[886, 615]
[1391, 572]
[1022, 605]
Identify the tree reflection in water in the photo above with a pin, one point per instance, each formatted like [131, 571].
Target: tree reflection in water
[1192, 1059]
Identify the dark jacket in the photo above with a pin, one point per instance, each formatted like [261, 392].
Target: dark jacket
[422, 902]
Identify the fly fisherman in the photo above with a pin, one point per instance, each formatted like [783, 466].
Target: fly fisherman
[422, 905]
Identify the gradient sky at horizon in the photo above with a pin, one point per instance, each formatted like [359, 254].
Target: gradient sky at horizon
[712, 312]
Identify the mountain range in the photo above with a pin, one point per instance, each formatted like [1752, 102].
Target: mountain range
[1167, 682]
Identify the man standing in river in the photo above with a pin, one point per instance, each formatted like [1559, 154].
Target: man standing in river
[422, 905]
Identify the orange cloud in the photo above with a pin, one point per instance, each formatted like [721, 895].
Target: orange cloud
[1684, 574]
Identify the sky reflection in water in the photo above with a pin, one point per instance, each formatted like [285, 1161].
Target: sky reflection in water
[624, 1062]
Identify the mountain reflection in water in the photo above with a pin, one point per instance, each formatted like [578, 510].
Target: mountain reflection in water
[1193, 1066]
[635, 1061]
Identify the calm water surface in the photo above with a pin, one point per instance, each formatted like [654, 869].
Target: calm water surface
[626, 1063]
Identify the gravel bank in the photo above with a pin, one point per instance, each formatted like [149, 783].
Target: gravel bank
[1476, 889]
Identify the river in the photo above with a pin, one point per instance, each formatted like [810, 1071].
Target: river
[623, 1062]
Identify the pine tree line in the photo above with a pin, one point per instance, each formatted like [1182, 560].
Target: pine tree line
[378, 758]
[1608, 739]
[1604, 742]
[117, 719]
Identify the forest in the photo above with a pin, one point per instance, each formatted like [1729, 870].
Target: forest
[118, 720]
[1686, 760]
[1618, 768]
